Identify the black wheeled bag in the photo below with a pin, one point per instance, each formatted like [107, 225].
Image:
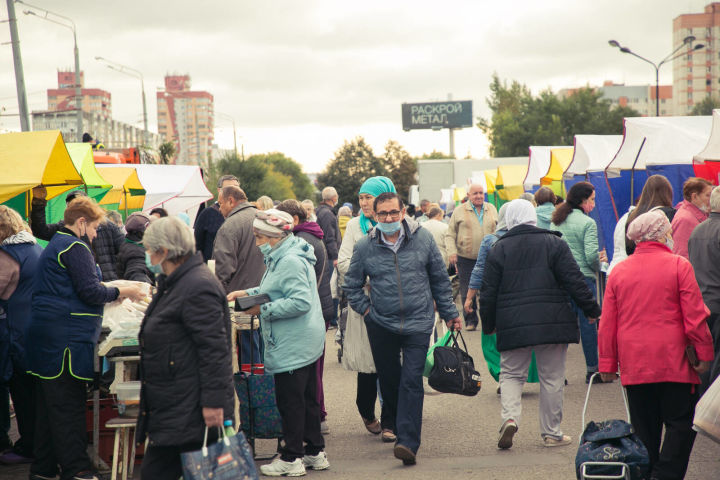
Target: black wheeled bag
[454, 369]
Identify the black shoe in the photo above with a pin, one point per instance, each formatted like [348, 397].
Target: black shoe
[498, 390]
[36, 476]
[405, 454]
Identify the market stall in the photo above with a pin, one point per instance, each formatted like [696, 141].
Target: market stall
[127, 194]
[538, 165]
[509, 182]
[560, 158]
[706, 164]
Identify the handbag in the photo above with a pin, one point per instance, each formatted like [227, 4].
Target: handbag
[610, 449]
[454, 369]
[228, 459]
[707, 412]
[430, 359]
[259, 415]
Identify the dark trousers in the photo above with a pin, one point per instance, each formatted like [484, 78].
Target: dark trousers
[296, 396]
[653, 405]
[22, 390]
[5, 441]
[401, 385]
[367, 393]
[319, 369]
[713, 322]
[60, 429]
[464, 270]
[163, 462]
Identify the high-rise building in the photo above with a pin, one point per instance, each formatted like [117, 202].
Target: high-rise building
[94, 100]
[697, 73]
[187, 118]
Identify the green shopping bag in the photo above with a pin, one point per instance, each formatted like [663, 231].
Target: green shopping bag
[430, 359]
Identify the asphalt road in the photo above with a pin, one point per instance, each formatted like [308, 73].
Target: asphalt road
[460, 433]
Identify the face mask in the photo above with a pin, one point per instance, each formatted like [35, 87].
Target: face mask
[389, 228]
[265, 248]
[156, 269]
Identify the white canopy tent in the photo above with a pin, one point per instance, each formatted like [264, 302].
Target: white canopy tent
[711, 152]
[176, 188]
[660, 141]
[538, 165]
[592, 153]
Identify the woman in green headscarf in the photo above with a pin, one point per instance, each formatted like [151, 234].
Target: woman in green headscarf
[357, 356]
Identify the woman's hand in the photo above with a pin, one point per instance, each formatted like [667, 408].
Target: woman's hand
[236, 294]
[608, 377]
[702, 367]
[213, 417]
[133, 292]
[602, 256]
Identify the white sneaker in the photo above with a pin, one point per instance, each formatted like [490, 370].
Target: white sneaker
[316, 462]
[281, 468]
[507, 432]
[557, 442]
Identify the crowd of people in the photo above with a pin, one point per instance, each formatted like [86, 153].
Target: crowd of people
[527, 275]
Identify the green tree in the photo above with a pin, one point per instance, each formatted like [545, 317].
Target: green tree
[402, 168]
[302, 188]
[519, 119]
[706, 107]
[434, 155]
[167, 153]
[354, 162]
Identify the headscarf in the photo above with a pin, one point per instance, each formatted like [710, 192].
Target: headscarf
[184, 217]
[520, 212]
[649, 227]
[502, 223]
[374, 186]
[273, 223]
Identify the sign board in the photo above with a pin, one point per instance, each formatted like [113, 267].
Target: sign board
[437, 115]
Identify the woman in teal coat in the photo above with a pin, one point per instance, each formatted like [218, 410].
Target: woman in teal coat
[293, 332]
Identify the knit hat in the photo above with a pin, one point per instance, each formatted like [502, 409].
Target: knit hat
[273, 223]
[649, 227]
[137, 222]
[520, 212]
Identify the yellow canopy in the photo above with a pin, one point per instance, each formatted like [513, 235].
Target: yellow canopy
[490, 179]
[29, 159]
[125, 185]
[82, 157]
[509, 182]
[560, 159]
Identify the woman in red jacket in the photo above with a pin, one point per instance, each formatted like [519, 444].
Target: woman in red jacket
[652, 311]
[691, 212]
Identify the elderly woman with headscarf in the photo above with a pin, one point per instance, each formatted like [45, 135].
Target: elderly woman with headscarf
[529, 277]
[356, 354]
[653, 310]
[293, 332]
[489, 345]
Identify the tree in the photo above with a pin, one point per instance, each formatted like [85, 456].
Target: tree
[706, 107]
[354, 162]
[520, 119]
[302, 188]
[402, 168]
[167, 153]
[434, 155]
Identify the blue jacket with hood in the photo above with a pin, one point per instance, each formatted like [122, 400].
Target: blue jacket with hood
[293, 328]
[403, 284]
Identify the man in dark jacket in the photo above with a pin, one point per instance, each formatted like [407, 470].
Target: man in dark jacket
[209, 221]
[407, 273]
[328, 221]
[131, 258]
[704, 250]
[530, 276]
[105, 246]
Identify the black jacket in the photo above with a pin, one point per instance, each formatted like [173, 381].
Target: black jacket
[131, 260]
[530, 275]
[105, 246]
[321, 273]
[207, 224]
[185, 361]
[328, 221]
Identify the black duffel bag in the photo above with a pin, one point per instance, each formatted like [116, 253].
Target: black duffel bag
[454, 369]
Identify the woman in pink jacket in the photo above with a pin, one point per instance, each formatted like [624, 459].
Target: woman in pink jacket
[652, 311]
[691, 212]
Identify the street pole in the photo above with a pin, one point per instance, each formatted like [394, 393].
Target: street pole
[78, 90]
[19, 74]
[452, 135]
[145, 121]
[118, 67]
[657, 91]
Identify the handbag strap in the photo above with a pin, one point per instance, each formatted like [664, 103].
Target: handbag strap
[587, 400]
[226, 439]
[454, 334]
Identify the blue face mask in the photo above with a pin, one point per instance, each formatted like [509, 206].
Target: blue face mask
[156, 269]
[265, 248]
[389, 228]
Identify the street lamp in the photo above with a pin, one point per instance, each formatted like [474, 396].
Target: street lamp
[118, 67]
[686, 41]
[230, 117]
[71, 26]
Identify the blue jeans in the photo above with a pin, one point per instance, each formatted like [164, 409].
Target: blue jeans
[401, 385]
[588, 332]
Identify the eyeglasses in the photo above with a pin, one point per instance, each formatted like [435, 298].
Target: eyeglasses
[394, 214]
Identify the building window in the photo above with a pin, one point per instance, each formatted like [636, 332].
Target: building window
[689, 83]
[707, 82]
[689, 69]
[689, 95]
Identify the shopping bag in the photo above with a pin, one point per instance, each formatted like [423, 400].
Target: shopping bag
[707, 412]
[454, 369]
[430, 359]
[228, 459]
[259, 415]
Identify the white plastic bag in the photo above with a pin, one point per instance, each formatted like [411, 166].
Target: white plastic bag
[707, 412]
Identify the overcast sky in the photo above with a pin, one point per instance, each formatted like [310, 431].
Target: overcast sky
[302, 76]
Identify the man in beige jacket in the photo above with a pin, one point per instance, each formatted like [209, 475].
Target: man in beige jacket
[470, 222]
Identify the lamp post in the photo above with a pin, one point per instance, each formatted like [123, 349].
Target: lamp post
[118, 67]
[230, 117]
[78, 92]
[19, 74]
[672, 56]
